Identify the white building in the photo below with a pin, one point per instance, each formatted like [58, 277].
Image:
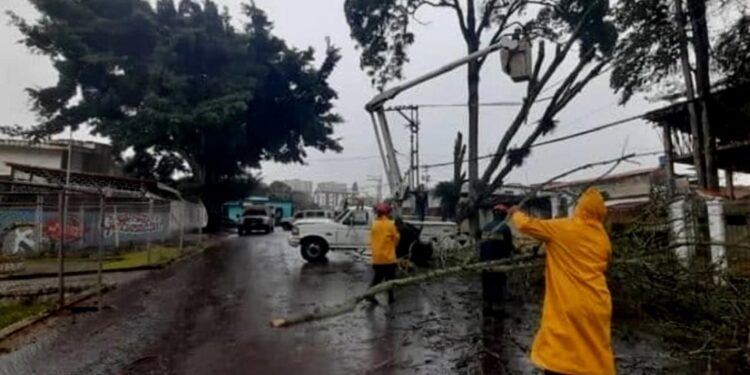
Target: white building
[302, 186]
[86, 157]
[331, 195]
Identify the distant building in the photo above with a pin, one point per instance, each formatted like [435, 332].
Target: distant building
[625, 193]
[86, 157]
[302, 186]
[331, 195]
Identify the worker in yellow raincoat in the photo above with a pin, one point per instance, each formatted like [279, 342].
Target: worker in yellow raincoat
[575, 334]
[384, 237]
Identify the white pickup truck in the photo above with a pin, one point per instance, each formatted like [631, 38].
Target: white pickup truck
[350, 230]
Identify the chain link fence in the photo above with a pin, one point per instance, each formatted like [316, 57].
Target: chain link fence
[60, 235]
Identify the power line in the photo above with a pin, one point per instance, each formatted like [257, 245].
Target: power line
[554, 140]
[464, 105]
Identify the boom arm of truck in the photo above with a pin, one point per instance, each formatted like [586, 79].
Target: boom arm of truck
[376, 106]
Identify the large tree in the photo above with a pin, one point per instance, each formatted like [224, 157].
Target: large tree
[382, 30]
[667, 39]
[181, 88]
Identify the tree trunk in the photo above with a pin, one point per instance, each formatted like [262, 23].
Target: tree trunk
[697, 10]
[473, 84]
[695, 128]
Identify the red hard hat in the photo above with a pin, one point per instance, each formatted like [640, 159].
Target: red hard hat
[382, 208]
[500, 208]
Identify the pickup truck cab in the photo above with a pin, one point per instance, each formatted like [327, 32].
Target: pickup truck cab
[256, 218]
[288, 223]
[350, 230]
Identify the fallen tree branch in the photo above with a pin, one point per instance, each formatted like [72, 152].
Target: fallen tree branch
[503, 265]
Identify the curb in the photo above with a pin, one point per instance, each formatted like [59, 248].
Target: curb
[21, 325]
[79, 273]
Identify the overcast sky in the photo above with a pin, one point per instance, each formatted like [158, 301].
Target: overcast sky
[304, 23]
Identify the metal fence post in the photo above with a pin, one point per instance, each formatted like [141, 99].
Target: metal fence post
[116, 225]
[39, 221]
[100, 253]
[148, 232]
[182, 225]
[60, 253]
[81, 223]
[200, 227]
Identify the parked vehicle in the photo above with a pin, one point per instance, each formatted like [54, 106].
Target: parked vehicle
[256, 218]
[350, 230]
[288, 223]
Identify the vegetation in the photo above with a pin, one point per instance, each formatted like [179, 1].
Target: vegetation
[13, 312]
[159, 255]
[182, 89]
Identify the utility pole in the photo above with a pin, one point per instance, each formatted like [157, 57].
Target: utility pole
[701, 50]
[410, 113]
[379, 186]
[695, 129]
[414, 151]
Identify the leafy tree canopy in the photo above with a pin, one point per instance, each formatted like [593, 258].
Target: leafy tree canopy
[181, 87]
[733, 51]
[382, 28]
[649, 51]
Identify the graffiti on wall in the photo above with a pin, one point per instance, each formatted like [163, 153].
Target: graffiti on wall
[17, 231]
[73, 230]
[132, 223]
[19, 240]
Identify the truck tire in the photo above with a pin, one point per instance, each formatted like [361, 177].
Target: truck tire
[314, 250]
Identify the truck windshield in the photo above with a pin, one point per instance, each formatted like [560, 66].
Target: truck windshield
[340, 216]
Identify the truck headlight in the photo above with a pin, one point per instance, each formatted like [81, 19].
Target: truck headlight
[295, 231]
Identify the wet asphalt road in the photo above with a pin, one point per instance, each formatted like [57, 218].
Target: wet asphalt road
[209, 315]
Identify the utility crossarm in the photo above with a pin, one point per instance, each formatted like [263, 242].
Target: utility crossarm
[376, 108]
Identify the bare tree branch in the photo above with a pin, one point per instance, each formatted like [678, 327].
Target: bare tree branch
[562, 96]
[523, 112]
[439, 4]
[515, 6]
[578, 86]
[461, 19]
[471, 20]
[560, 55]
[534, 80]
[489, 7]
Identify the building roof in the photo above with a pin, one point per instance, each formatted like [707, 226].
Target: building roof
[95, 182]
[60, 144]
[606, 179]
[730, 115]
[730, 124]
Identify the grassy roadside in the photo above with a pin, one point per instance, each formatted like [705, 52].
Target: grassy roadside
[12, 312]
[158, 255]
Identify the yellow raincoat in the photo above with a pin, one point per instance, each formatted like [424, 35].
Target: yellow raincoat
[575, 335]
[384, 237]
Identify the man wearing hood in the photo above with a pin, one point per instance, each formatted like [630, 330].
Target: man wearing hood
[575, 332]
